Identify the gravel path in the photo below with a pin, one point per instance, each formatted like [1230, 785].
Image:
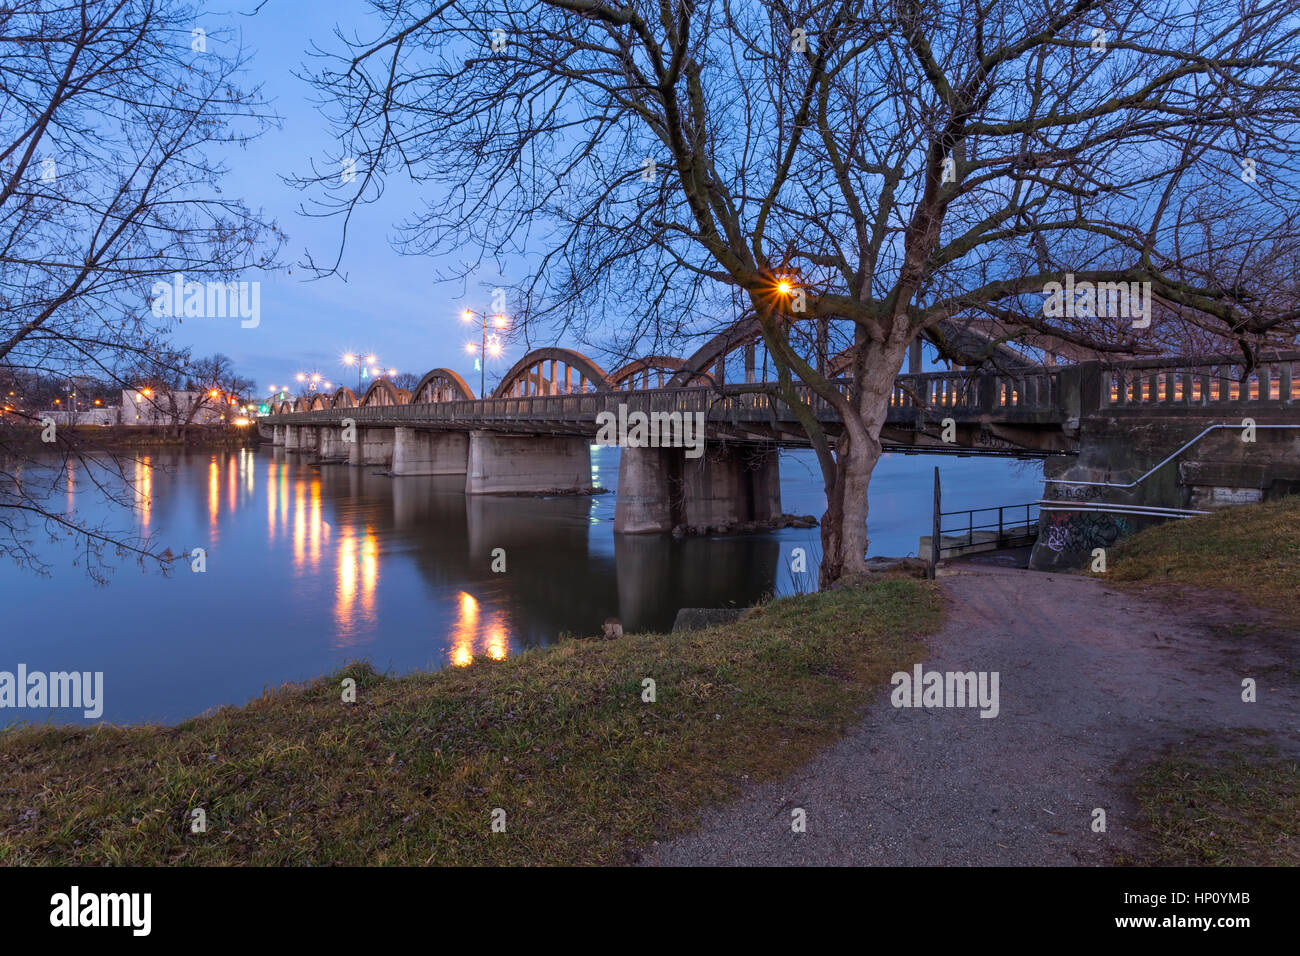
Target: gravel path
[1093, 683]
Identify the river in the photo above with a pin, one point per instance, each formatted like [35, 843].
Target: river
[308, 567]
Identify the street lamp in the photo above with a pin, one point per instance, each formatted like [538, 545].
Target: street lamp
[486, 346]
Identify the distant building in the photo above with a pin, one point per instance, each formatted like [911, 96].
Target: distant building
[146, 406]
[95, 415]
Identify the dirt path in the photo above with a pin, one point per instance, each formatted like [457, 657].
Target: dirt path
[1093, 683]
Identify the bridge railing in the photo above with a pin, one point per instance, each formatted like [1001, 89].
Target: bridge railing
[979, 392]
[1050, 393]
[1196, 381]
[960, 392]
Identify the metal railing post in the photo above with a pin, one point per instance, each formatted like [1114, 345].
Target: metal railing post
[934, 526]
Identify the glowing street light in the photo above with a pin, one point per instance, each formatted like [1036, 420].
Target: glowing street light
[499, 321]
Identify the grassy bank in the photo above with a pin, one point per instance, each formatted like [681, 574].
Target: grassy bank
[558, 738]
[1227, 803]
[1234, 800]
[1252, 552]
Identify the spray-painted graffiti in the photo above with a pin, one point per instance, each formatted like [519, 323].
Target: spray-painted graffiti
[1076, 492]
[1083, 530]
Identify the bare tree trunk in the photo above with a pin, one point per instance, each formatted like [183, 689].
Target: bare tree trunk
[844, 526]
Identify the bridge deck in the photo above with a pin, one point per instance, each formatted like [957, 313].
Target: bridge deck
[1022, 403]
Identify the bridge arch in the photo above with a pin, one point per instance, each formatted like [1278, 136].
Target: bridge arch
[648, 372]
[441, 385]
[303, 404]
[538, 373]
[967, 339]
[344, 398]
[706, 364]
[318, 403]
[382, 392]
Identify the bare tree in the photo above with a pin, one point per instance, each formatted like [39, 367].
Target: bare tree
[113, 116]
[902, 167]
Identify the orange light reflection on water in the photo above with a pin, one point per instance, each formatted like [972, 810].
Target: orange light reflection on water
[143, 483]
[214, 491]
[357, 581]
[491, 637]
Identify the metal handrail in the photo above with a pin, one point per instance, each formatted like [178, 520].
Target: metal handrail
[970, 527]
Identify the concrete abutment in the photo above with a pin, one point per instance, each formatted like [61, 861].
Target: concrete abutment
[1088, 506]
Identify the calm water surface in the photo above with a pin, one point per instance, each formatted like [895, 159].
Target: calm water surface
[312, 566]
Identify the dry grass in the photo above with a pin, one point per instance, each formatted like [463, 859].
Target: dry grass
[1253, 552]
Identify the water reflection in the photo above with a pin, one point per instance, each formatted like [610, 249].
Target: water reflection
[470, 638]
[354, 607]
[298, 554]
[142, 484]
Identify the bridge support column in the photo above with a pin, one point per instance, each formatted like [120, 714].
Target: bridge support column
[308, 438]
[277, 434]
[429, 453]
[660, 489]
[374, 446]
[331, 443]
[292, 437]
[527, 464]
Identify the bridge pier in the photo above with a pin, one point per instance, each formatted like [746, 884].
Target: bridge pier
[429, 453]
[660, 488]
[527, 464]
[374, 446]
[308, 438]
[293, 437]
[331, 443]
[277, 434]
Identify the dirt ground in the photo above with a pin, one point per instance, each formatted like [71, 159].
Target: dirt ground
[1093, 683]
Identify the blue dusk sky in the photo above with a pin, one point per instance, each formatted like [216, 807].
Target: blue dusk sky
[390, 304]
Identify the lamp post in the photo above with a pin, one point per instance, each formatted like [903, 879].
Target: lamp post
[486, 345]
[368, 366]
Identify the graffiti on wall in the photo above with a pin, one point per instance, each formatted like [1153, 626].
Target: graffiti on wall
[1076, 492]
[1069, 531]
